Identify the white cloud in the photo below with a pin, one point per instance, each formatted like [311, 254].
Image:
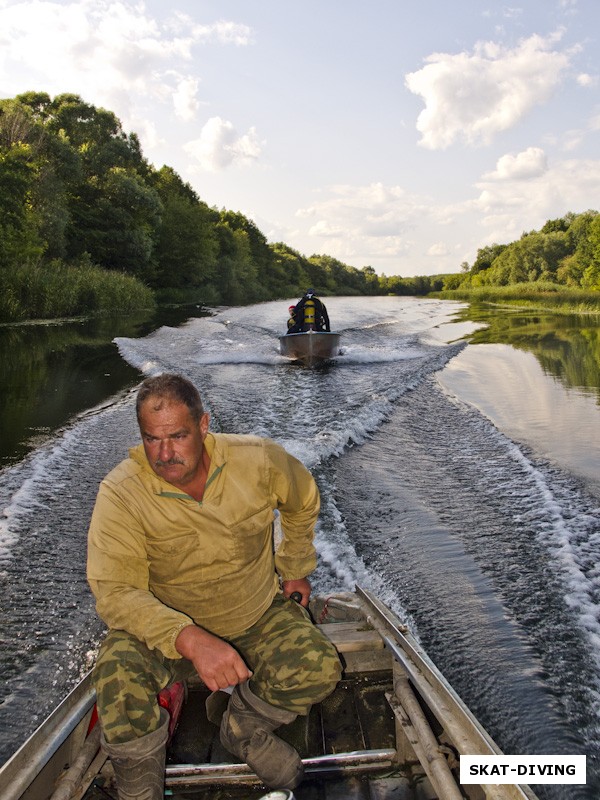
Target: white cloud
[507, 207]
[586, 80]
[473, 96]
[398, 232]
[111, 52]
[219, 146]
[525, 165]
[512, 13]
[371, 222]
[225, 33]
[325, 228]
[438, 249]
[573, 138]
[185, 99]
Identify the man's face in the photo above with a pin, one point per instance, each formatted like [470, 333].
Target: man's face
[172, 440]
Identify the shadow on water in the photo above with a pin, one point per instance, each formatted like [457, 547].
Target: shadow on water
[51, 371]
[567, 346]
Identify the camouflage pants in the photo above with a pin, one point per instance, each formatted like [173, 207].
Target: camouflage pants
[293, 665]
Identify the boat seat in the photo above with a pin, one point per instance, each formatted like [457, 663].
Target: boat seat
[351, 637]
[360, 647]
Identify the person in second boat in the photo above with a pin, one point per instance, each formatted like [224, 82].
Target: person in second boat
[310, 314]
[292, 318]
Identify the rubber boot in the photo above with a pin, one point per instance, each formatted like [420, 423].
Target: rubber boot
[247, 732]
[139, 765]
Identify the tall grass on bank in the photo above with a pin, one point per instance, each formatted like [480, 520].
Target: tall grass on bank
[204, 295]
[53, 290]
[535, 295]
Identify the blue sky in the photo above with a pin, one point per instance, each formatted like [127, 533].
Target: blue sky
[400, 135]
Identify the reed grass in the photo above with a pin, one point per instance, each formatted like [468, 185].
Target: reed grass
[54, 290]
[535, 295]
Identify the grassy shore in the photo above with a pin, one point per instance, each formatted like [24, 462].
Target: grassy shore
[55, 290]
[535, 296]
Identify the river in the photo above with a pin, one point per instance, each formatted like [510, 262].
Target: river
[457, 451]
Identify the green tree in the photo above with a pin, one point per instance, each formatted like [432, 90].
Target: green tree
[236, 277]
[259, 254]
[453, 281]
[570, 271]
[536, 256]
[370, 281]
[289, 271]
[54, 162]
[560, 225]
[578, 233]
[113, 215]
[486, 257]
[591, 274]
[18, 238]
[115, 220]
[187, 244]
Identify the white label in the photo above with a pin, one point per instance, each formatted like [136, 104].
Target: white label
[522, 769]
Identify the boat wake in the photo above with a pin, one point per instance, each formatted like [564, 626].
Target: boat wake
[484, 548]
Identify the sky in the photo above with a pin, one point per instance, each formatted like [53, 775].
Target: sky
[393, 134]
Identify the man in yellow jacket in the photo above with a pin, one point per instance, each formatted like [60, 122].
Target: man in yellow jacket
[182, 565]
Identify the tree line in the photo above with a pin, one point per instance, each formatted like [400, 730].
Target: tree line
[564, 253]
[88, 224]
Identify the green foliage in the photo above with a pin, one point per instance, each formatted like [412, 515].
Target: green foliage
[236, 278]
[187, 244]
[116, 217]
[531, 295]
[486, 256]
[55, 290]
[245, 259]
[453, 281]
[565, 252]
[18, 237]
[591, 273]
[76, 188]
[290, 270]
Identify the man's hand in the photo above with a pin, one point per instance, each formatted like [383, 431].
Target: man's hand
[217, 663]
[302, 586]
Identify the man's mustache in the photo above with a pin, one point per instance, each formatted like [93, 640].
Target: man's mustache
[170, 463]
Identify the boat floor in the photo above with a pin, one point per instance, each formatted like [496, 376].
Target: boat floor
[355, 717]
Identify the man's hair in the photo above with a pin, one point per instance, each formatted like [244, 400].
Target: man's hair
[174, 388]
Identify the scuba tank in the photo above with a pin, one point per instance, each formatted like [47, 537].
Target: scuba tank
[310, 321]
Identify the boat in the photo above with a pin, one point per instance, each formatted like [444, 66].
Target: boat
[310, 348]
[393, 728]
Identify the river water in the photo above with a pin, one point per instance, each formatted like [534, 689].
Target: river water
[457, 452]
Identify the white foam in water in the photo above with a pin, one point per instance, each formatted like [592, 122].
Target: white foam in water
[570, 546]
[292, 400]
[389, 347]
[44, 466]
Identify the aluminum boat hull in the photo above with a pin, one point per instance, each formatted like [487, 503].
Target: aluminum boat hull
[311, 348]
[394, 727]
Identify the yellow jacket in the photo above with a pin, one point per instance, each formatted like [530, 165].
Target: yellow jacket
[159, 560]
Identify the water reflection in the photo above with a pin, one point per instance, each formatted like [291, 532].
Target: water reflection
[567, 346]
[537, 377]
[51, 371]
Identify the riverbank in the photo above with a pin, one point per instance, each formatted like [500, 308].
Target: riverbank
[54, 290]
[531, 296]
